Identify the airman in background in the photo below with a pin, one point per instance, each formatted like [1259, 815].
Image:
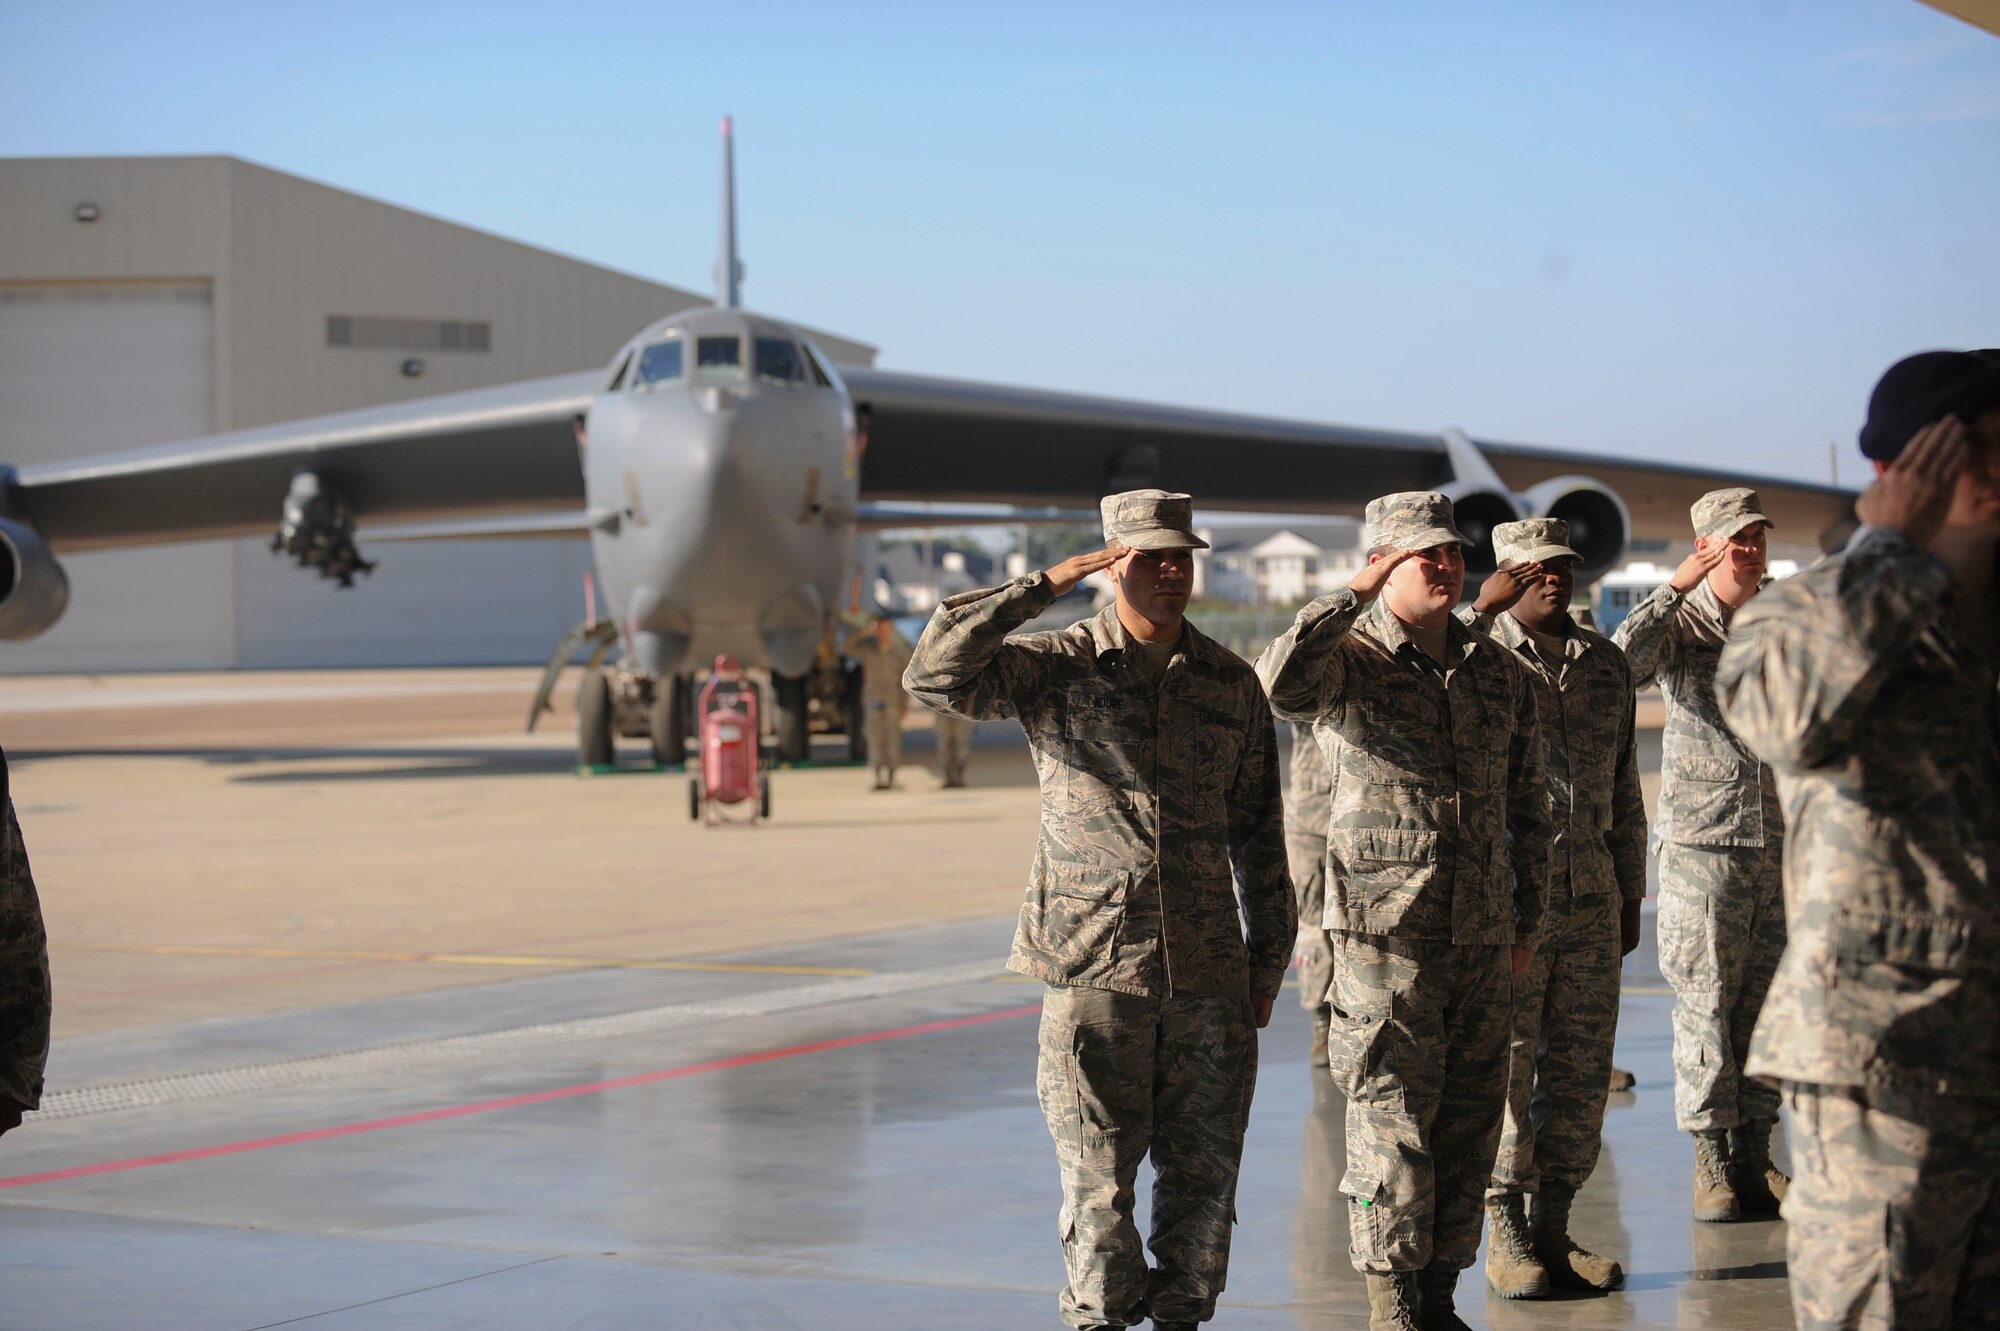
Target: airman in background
[1566, 1005]
[954, 746]
[1722, 834]
[1308, 802]
[883, 656]
[1158, 764]
[1437, 865]
[1870, 683]
[25, 996]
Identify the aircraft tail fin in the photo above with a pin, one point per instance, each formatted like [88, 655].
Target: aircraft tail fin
[728, 268]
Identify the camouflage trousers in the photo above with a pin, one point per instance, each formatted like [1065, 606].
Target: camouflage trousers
[885, 735]
[1893, 1218]
[1722, 930]
[1122, 1076]
[1559, 1060]
[1307, 857]
[1419, 1048]
[954, 746]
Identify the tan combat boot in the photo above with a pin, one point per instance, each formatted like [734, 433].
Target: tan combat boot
[1511, 1265]
[1759, 1185]
[1570, 1264]
[1714, 1195]
[1322, 1032]
[1435, 1290]
[1392, 1301]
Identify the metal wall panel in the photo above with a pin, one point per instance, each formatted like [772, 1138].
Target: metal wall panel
[428, 603]
[91, 366]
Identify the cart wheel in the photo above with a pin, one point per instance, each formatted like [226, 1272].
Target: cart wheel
[694, 798]
[764, 796]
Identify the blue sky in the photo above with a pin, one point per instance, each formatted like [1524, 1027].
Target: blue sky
[1694, 230]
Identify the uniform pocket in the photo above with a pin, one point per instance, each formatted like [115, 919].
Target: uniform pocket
[1361, 1047]
[1379, 863]
[1077, 911]
[1900, 990]
[1095, 1074]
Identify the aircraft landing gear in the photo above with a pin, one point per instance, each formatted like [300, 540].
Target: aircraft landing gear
[794, 737]
[857, 714]
[667, 721]
[593, 721]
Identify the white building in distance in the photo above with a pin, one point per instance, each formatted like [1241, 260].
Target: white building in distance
[1277, 563]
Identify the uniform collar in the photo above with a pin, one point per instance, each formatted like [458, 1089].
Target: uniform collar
[1108, 635]
[1703, 598]
[1508, 631]
[1460, 641]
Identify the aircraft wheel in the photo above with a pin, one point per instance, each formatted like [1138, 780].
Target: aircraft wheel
[794, 740]
[667, 721]
[857, 718]
[593, 721]
[764, 796]
[694, 798]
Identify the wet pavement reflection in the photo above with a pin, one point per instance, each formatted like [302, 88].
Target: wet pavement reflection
[877, 1164]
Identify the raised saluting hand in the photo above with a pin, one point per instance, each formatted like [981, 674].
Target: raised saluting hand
[1504, 588]
[1078, 567]
[1913, 496]
[1369, 582]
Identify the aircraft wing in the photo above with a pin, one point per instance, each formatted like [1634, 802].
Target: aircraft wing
[488, 452]
[952, 440]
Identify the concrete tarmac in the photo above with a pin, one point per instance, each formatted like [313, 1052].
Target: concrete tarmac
[425, 1031]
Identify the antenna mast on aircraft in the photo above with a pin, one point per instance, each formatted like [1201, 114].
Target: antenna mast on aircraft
[728, 269]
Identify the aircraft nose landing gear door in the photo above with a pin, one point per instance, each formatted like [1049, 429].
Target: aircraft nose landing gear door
[732, 771]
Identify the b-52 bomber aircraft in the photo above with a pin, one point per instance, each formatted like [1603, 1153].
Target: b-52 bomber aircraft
[721, 467]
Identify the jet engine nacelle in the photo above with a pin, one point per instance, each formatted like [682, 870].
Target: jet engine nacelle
[34, 590]
[1477, 512]
[1600, 525]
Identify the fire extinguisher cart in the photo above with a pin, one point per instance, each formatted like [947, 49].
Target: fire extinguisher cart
[734, 768]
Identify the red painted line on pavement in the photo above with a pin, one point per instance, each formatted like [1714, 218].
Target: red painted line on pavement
[512, 1101]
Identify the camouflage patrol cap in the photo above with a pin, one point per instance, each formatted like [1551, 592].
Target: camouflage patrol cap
[1725, 512]
[1150, 520]
[1411, 520]
[1531, 541]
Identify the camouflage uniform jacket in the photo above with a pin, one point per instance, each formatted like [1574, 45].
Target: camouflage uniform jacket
[881, 667]
[1308, 807]
[24, 968]
[1440, 822]
[1150, 793]
[1309, 791]
[1590, 744]
[1852, 680]
[1713, 791]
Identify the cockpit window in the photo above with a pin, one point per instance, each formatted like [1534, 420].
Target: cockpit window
[718, 358]
[779, 362]
[660, 362]
[818, 367]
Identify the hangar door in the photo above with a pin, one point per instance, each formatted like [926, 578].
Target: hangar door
[88, 367]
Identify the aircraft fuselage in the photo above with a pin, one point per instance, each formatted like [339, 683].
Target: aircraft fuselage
[720, 461]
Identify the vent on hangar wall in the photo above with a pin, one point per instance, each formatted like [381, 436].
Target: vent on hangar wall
[355, 330]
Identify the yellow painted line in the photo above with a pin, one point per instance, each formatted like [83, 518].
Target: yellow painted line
[453, 958]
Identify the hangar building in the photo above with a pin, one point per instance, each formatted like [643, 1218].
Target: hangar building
[147, 299]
